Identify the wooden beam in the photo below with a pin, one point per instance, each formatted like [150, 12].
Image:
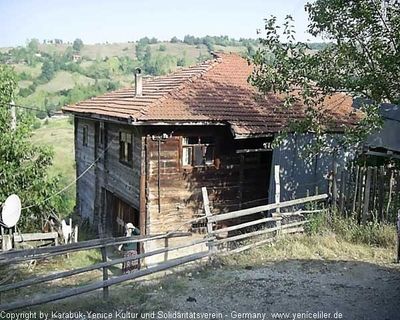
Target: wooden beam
[101, 284]
[21, 237]
[366, 198]
[246, 224]
[247, 235]
[9, 257]
[64, 274]
[245, 212]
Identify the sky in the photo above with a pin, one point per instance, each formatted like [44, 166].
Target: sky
[100, 21]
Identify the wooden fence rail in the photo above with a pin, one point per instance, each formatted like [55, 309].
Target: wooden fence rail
[211, 241]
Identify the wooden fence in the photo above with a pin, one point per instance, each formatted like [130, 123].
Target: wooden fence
[370, 193]
[259, 226]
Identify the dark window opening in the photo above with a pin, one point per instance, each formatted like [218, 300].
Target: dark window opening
[101, 135]
[85, 137]
[198, 151]
[125, 147]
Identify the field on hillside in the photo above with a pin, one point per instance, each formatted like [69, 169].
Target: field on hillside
[59, 134]
[65, 80]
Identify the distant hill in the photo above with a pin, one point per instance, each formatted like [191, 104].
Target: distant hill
[53, 73]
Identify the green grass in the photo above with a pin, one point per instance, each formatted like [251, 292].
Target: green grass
[34, 72]
[65, 80]
[316, 247]
[180, 50]
[24, 83]
[58, 133]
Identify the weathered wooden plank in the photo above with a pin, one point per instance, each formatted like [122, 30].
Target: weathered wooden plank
[267, 207]
[247, 247]
[367, 195]
[361, 190]
[64, 274]
[35, 236]
[246, 235]
[246, 224]
[40, 253]
[353, 208]
[101, 284]
[343, 177]
[381, 193]
[374, 188]
[334, 185]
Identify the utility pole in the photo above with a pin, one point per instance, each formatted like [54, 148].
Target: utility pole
[13, 116]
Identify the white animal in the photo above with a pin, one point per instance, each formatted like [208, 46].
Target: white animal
[66, 231]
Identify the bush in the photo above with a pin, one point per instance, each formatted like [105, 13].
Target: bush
[162, 47]
[37, 124]
[373, 233]
[24, 92]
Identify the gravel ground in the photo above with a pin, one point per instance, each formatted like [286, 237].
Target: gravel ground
[309, 289]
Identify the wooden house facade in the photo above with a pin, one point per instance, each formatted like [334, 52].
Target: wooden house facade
[143, 153]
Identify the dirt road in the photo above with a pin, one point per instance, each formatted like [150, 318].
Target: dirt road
[296, 289]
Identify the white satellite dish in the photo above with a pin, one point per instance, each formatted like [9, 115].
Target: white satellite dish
[11, 211]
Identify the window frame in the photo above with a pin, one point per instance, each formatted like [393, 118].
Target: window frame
[85, 135]
[126, 147]
[196, 144]
[101, 135]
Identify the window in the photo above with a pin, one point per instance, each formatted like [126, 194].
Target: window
[197, 151]
[85, 136]
[125, 147]
[101, 134]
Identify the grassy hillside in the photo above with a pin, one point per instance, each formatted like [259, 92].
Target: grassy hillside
[59, 134]
[65, 80]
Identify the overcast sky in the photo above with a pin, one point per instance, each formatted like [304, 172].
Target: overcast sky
[98, 21]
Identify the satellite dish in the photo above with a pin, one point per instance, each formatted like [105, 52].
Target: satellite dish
[11, 211]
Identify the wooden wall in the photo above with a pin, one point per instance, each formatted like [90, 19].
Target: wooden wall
[236, 181]
[84, 157]
[171, 193]
[107, 173]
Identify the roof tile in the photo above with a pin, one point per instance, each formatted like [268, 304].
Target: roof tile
[215, 91]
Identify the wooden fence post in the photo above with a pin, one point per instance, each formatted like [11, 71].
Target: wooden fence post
[397, 198]
[104, 258]
[342, 191]
[391, 184]
[334, 185]
[381, 192]
[360, 194]
[366, 198]
[206, 203]
[277, 188]
[398, 238]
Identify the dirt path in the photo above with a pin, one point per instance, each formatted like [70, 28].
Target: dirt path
[308, 289]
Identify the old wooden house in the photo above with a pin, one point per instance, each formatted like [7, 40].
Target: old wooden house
[143, 153]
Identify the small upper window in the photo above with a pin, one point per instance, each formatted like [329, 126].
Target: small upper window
[125, 147]
[101, 135]
[85, 137]
[198, 151]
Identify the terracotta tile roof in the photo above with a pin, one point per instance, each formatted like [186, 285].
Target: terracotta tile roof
[215, 91]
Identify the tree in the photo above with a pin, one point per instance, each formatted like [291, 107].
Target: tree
[77, 46]
[33, 45]
[23, 166]
[174, 39]
[362, 60]
[47, 70]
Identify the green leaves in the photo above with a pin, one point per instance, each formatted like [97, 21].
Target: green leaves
[23, 166]
[362, 60]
